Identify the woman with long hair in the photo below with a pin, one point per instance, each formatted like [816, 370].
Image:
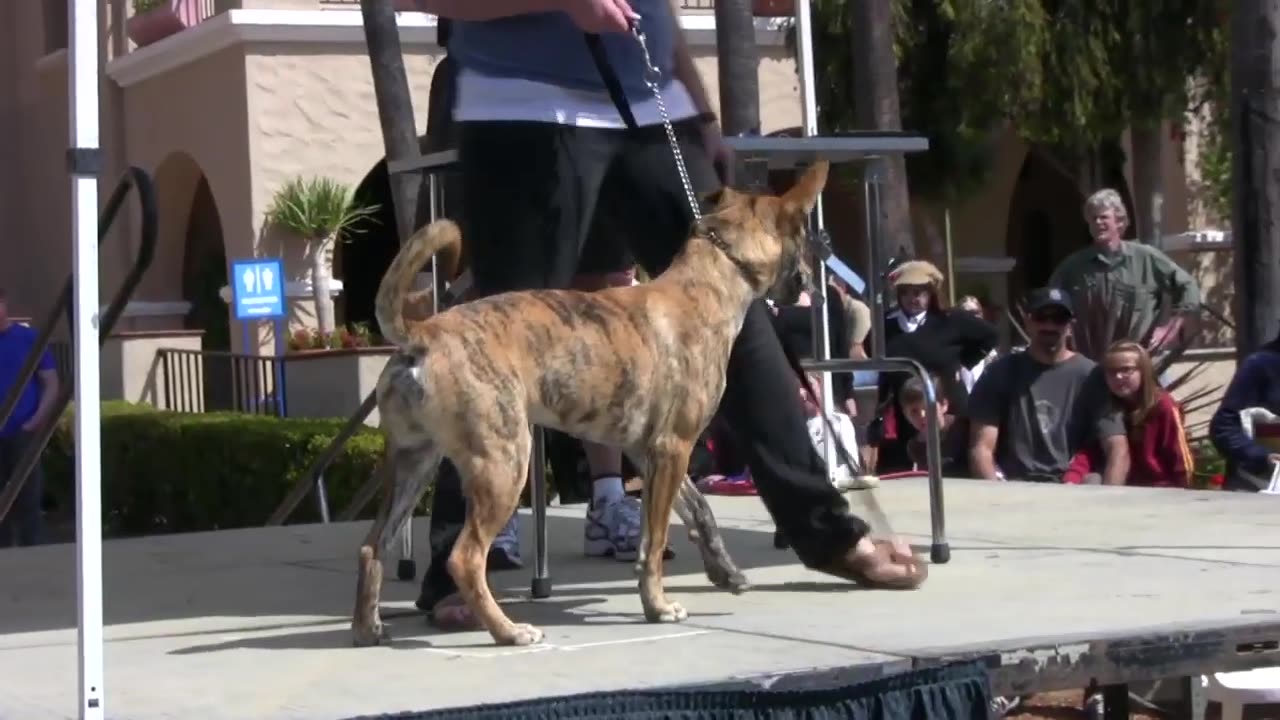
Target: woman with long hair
[1159, 455]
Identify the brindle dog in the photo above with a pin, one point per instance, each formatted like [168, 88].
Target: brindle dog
[641, 368]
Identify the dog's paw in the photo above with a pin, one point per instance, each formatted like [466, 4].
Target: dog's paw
[730, 579]
[672, 613]
[520, 634]
[737, 583]
[370, 635]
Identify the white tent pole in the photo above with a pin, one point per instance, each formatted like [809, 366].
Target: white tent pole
[809, 115]
[83, 161]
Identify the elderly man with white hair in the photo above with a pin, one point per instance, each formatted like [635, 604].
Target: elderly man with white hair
[1128, 272]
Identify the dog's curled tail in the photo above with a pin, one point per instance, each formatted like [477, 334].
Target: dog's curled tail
[398, 279]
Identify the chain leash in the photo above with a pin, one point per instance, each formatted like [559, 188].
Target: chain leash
[653, 78]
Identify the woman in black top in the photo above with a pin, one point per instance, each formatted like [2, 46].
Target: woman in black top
[941, 340]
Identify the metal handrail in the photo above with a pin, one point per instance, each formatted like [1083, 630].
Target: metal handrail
[940, 549]
[134, 179]
[314, 476]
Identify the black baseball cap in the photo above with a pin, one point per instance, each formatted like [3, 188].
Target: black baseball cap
[1045, 298]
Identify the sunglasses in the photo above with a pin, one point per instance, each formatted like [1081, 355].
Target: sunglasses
[1056, 317]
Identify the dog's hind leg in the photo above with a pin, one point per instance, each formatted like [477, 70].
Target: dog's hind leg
[694, 511]
[667, 464]
[407, 473]
[492, 479]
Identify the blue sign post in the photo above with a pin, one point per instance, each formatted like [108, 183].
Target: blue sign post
[258, 294]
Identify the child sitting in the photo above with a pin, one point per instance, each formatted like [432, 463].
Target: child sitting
[953, 431]
[846, 477]
[1159, 455]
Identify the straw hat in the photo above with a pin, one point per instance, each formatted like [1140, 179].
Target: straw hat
[916, 272]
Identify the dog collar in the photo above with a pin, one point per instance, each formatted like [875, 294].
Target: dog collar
[749, 273]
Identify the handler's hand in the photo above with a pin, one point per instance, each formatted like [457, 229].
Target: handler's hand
[720, 152]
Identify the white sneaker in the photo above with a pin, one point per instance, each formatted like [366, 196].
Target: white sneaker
[613, 530]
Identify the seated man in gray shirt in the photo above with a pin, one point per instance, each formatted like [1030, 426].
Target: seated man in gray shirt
[1032, 411]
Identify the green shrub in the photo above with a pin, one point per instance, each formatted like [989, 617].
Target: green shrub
[182, 472]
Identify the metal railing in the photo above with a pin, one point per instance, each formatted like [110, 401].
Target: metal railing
[940, 549]
[134, 179]
[196, 381]
[313, 478]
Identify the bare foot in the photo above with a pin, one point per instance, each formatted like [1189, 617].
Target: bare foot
[887, 564]
[452, 615]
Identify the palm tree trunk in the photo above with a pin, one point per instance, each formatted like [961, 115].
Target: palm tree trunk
[739, 67]
[1255, 109]
[395, 106]
[1148, 182]
[875, 87]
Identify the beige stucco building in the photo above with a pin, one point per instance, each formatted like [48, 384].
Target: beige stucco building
[223, 101]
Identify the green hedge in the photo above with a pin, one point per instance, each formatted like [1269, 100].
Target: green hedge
[181, 472]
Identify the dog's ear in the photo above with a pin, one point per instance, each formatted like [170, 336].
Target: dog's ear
[719, 198]
[804, 194]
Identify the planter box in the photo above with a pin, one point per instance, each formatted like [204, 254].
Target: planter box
[170, 18]
[332, 383]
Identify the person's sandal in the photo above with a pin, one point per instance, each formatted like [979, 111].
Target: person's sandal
[855, 569]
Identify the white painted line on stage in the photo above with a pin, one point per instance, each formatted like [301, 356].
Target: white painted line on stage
[628, 641]
[550, 647]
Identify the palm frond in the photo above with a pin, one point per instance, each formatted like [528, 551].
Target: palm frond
[318, 208]
[1184, 378]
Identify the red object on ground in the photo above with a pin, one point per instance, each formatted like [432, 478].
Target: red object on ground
[735, 485]
[905, 474]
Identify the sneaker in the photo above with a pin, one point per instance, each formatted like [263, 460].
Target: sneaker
[1002, 706]
[1094, 705]
[613, 530]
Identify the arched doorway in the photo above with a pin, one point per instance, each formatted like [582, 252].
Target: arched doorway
[190, 246]
[1045, 224]
[204, 271]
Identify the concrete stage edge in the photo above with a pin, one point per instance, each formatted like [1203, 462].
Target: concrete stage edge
[1050, 585]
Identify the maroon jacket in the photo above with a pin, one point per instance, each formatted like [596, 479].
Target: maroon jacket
[1159, 455]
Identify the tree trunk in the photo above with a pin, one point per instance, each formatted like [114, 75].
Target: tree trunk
[320, 288]
[395, 106]
[1255, 105]
[1148, 183]
[739, 63]
[875, 87]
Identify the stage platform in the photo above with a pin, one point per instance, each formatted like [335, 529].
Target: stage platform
[1051, 584]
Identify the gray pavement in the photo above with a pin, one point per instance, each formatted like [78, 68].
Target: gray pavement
[252, 623]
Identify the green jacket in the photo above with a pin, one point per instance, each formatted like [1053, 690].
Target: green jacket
[1139, 275]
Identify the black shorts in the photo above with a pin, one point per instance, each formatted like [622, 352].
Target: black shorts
[545, 202]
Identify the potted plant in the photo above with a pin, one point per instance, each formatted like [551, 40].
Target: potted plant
[317, 211]
[155, 20]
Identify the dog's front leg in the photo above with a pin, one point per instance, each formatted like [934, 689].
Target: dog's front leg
[667, 465]
[695, 512]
